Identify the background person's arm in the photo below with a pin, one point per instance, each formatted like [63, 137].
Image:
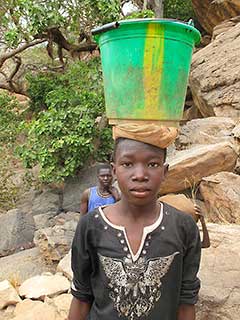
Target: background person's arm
[79, 310]
[186, 312]
[206, 240]
[84, 202]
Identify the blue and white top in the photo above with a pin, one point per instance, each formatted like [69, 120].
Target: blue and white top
[96, 200]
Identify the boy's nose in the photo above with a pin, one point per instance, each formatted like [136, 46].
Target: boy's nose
[140, 174]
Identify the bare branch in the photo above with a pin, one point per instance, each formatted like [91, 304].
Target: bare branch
[13, 52]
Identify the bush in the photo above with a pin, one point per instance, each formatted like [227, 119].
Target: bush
[62, 138]
[178, 9]
[9, 120]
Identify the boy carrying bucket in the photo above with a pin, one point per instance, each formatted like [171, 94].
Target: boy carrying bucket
[138, 258]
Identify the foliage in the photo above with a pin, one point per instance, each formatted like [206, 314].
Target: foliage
[178, 9]
[141, 14]
[62, 138]
[25, 19]
[10, 120]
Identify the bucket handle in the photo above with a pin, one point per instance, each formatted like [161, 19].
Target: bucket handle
[106, 27]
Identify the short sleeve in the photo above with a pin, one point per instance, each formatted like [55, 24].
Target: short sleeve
[191, 261]
[81, 263]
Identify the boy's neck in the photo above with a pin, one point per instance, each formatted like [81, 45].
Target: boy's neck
[139, 212]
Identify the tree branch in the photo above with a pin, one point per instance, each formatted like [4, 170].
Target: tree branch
[13, 52]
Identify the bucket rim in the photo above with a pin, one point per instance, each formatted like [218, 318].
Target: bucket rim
[163, 21]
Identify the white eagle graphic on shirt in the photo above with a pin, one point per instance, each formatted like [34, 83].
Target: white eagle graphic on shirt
[135, 286]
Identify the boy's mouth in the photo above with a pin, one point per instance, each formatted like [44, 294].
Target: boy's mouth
[140, 192]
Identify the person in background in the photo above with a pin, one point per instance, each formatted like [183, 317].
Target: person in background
[102, 194]
[182, 203]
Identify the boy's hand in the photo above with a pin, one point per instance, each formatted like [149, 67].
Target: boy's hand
[199, 212]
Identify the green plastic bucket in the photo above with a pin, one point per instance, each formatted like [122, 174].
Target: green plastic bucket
[146, 64]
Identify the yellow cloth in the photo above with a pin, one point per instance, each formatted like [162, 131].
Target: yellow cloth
[153, 134]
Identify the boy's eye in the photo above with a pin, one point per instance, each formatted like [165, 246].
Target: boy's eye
[153, 165]
[126, 164]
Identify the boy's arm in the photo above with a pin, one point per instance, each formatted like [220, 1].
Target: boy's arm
[79, 310]
[191, 261]
[186, 312]
[84, 202]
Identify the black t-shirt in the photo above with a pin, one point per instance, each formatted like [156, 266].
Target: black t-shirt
[148, 285]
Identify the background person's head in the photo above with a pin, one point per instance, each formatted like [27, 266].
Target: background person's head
[104, 175]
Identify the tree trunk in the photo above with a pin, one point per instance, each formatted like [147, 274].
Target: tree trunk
[157, 6]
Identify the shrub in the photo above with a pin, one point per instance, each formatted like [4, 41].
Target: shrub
[62, 137]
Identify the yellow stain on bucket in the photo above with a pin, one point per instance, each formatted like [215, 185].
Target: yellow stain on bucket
[153, 68]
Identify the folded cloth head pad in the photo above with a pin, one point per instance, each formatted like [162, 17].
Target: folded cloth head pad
[159, 136]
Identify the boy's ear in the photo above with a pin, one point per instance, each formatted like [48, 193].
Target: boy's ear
[165, 169]
[113, 167]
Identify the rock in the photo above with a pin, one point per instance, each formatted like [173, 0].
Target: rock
[190, 166]
[34, 310]
[22, 265]
[61, 304]
[63, 217]
[47, 201]
[43, 220]
[54, 243]
[39, 287]
[8, 294]
[225, 26]
[75, 186]
[211, 12]
[221, 194]
[17, 231]
[215, 76]
[64, 266]
[220, 274]
[205, 131]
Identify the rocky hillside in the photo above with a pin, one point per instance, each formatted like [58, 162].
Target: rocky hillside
[204, 164]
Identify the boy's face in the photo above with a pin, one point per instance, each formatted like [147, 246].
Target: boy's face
[105, 177]
[140, 170]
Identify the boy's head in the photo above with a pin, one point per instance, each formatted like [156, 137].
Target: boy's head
[140, 169]
[104, 175]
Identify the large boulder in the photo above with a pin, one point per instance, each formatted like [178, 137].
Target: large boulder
[75, 186]
[205, 131]
[43, 286]
[22, 265]
[221, 194]
[220, 274]
[215, 76]
[54, 243]
[188, 167]
[17, 230]
[211, 12]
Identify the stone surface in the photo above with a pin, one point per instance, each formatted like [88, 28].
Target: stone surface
[20, 266]
[188, 167]
[205, 131]
[39, 287]
[47, 201]
[220, 275]
[34, 310]
[61, 304]
[215, 76]
[64, 266]
[75, 186]
[17, 231]
[54, 243]
[221, 194]
[8, 294]
[211, 12]
[225, 26]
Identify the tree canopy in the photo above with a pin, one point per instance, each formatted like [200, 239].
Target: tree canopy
[64, 127]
